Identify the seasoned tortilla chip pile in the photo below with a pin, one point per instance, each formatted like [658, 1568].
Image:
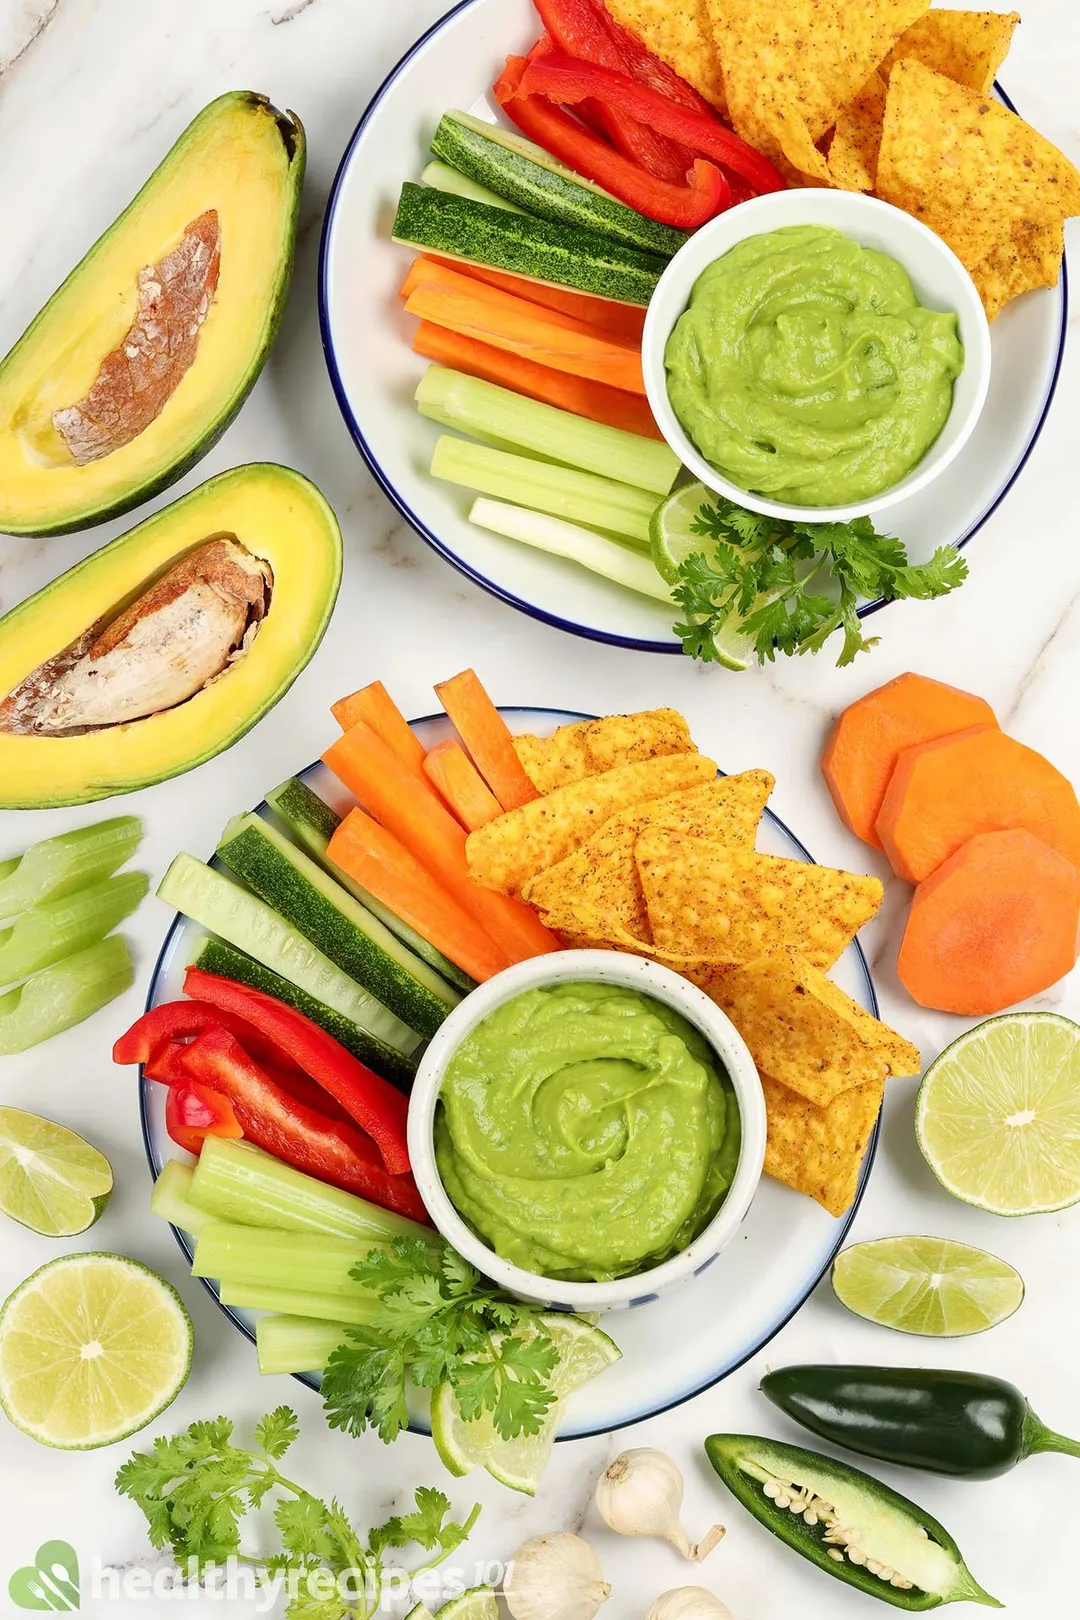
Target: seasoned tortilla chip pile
[637, 845]
[889, 97]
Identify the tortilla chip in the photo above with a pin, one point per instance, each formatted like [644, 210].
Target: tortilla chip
[589, 747]
[1026, 260]
[853, 153]
[514, 847]
[598, 885]
[679, 33]
[790, 65]
[819, 1151]
[967, 166]
[967, 46]
[802, 1030]
[734, 905]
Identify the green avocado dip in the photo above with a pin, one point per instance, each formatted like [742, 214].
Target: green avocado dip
[586, 1132]
[805, 369]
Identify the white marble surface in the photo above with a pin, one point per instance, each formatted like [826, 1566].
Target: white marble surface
[92, 92]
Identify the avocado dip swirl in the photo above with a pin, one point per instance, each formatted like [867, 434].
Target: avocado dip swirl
[586, 1132]
[805, 369]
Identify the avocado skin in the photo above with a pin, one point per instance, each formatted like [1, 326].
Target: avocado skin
[295, 143]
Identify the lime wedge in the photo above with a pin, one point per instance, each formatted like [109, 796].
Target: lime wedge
[50, 1179]
[478, 1603]
[926, 1285]
[519, 1464]
[92, 1348]
[998, 1114]
[672, 540]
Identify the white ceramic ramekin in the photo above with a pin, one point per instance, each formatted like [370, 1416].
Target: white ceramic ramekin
[940, 282]
[649, 979]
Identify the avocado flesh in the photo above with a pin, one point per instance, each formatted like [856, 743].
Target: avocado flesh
[279, 521]
[235, 173]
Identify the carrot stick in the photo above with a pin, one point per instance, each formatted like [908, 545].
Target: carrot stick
[387, 790]
[511, 323]
[449, 768]
[623, 322]
[375, 705]
[484, 732]
[376, 860]
[598, 402]
[995, 924]
[942, 793]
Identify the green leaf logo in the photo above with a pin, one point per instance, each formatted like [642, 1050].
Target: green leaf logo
[50, 1582]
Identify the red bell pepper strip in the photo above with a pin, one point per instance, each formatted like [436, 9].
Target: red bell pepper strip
[309, 1141]
[580, 28]
[706, 194]
[150, 1038]
[166, 1064]
[565, 81]
[194, 1111]
[377, 1106]
[641, 64]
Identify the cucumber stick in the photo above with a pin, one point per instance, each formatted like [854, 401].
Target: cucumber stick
[210, 898]
[215, 956]
[59, 928]
[523, 173]
[312, 824]
[443, 178]
[564, 255]
[305, 896]
[578, 545]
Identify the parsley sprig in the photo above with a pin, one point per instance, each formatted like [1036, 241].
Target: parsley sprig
[438, 1321]
[195, 1489]
[773, 575]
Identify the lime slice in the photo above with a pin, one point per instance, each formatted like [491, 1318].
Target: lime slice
[998, 1115]
[92, 1347]
[478, 1603]
[50, 1179]
[926, 1285]
[519, 1464]
[672, 540]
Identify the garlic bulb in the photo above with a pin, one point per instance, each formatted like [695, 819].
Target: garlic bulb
[641, 1493]
[689, 1603]
[555, 1577]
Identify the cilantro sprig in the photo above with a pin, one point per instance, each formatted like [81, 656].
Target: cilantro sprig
[196, 1488]
[438, 1321]
[774, 576]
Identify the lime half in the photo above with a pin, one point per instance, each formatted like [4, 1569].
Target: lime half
[998, 1114]
[926, 1285]
[478, 1603]
[672, 540]
[50, 1179]
[519, 1464]
[92, 1347]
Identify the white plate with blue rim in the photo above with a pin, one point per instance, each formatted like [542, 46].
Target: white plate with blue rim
[693, 1335]
[366, 340]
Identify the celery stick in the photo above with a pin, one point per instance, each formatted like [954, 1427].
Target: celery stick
[563, 491]
[570, 540]
[68, 862]
[239, 1184]
[443, 178]
[59, 928]
[356, 1312]
[171, 1198]
[64, 994]
[265, 1258]
[291, 1344]
[489, 412]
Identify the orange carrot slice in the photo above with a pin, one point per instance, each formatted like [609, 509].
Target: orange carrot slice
[545, 335]
[624, 322]
[942, 793]
[376, 860]
[387, 790]
[859, 756]
[580, 395]
[450, 770]
[374, 704]
[484, 732]
[996, 923]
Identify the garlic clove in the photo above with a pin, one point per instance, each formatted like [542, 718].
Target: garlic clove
[640, 1494]
[689, 1603]
[555, 1577]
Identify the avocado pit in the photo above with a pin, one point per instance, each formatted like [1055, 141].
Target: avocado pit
[182, 633]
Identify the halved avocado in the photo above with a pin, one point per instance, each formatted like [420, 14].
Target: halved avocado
[139, 362]
[204, 614]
